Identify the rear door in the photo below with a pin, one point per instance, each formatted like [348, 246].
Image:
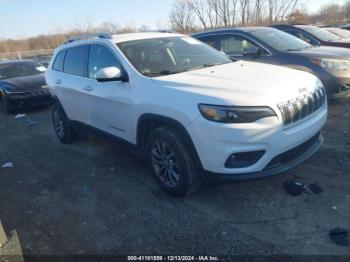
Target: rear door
[76, 96]
[303, 36]
[209, 40]
[234, 46]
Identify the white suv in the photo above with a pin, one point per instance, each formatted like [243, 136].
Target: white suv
[186, 107]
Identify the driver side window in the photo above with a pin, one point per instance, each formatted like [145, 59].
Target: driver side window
[234, 45]
[302, 36]
[101, 57]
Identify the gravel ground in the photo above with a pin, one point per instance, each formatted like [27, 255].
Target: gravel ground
[95, 197]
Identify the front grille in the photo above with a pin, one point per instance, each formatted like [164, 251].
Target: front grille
[37, 93]
[292, 154]
[298, 109]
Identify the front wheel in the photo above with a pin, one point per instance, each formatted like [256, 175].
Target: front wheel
[172, 162]
[61, 125]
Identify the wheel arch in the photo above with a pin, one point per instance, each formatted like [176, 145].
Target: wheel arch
[301, 68]
[148, 122]
[57, 101]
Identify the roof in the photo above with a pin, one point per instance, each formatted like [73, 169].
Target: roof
[116, 39]
[15, 61]
[140, 36]
[293, 26]
[283, 26]
[237, 29]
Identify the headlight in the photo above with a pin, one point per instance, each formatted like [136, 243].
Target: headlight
[235, 114]
[332, 64]
[9, 92]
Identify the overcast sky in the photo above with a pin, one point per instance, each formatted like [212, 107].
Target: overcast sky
[23, 18]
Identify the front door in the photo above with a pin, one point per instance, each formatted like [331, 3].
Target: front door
[111, 106]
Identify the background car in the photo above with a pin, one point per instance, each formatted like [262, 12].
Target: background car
[314, 35]
[269, 45]
[345, 34]
[22, 84]
[346, 27]
[44, 60]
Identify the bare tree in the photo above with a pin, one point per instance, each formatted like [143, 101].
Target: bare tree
[200, 9]
[347, 10]
[207, 14]
[109, 27]
[244, 7]
[181, 17]
[331, 14]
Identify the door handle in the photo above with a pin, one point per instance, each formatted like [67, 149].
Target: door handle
[58, 82]
[88, 88]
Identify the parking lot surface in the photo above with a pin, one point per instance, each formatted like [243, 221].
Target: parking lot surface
[95, 197]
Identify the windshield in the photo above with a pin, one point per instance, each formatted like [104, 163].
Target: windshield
[171, 55]
[280, 41]
[321, 34]
[18, 69]
[339, 32]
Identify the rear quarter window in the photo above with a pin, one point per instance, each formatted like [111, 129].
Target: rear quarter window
[209, 40]
[75, 62]
[59, 60]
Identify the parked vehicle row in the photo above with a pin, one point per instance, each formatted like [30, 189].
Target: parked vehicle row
[22, 84]
[268, 45]
[230, 103]
[345, 34]
[314, 35]
[346, 27]
[187, 108]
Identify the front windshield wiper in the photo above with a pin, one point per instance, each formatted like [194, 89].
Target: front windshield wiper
[298, 49]
[162, 73]
[207, 65]
[170, 72]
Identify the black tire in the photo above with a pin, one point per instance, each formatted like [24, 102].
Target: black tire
[5, 105]
[61, 125]
[180, 178]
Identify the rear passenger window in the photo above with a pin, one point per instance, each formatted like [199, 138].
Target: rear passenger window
[58, 64]
[301, 36]
[209, 40]
[234, 45]
[101, 57]
[75, 61]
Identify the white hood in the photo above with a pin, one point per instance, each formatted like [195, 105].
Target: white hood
[244, 83]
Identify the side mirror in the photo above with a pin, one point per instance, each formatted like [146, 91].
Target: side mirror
[251, 51]
[109, 74]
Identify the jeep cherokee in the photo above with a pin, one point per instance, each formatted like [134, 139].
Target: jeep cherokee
[186, 107]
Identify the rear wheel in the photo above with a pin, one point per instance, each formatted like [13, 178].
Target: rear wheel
[61, 125]
[172, 162]
[5, 105]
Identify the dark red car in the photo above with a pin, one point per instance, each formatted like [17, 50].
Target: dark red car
[314, 35]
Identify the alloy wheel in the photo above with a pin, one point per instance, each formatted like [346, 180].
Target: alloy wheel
[165, 164]
[58, 123]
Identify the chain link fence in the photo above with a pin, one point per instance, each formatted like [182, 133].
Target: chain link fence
[42, 56]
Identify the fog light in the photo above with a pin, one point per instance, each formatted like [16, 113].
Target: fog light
[242, 160]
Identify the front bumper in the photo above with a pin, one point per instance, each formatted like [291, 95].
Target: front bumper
[306, 150]
[337, 87]
[215, 143]
[29, 100]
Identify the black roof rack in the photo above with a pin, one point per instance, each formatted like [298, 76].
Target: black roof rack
[88, 36]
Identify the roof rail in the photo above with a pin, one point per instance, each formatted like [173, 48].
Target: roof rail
[88, 36]
[169, 31]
